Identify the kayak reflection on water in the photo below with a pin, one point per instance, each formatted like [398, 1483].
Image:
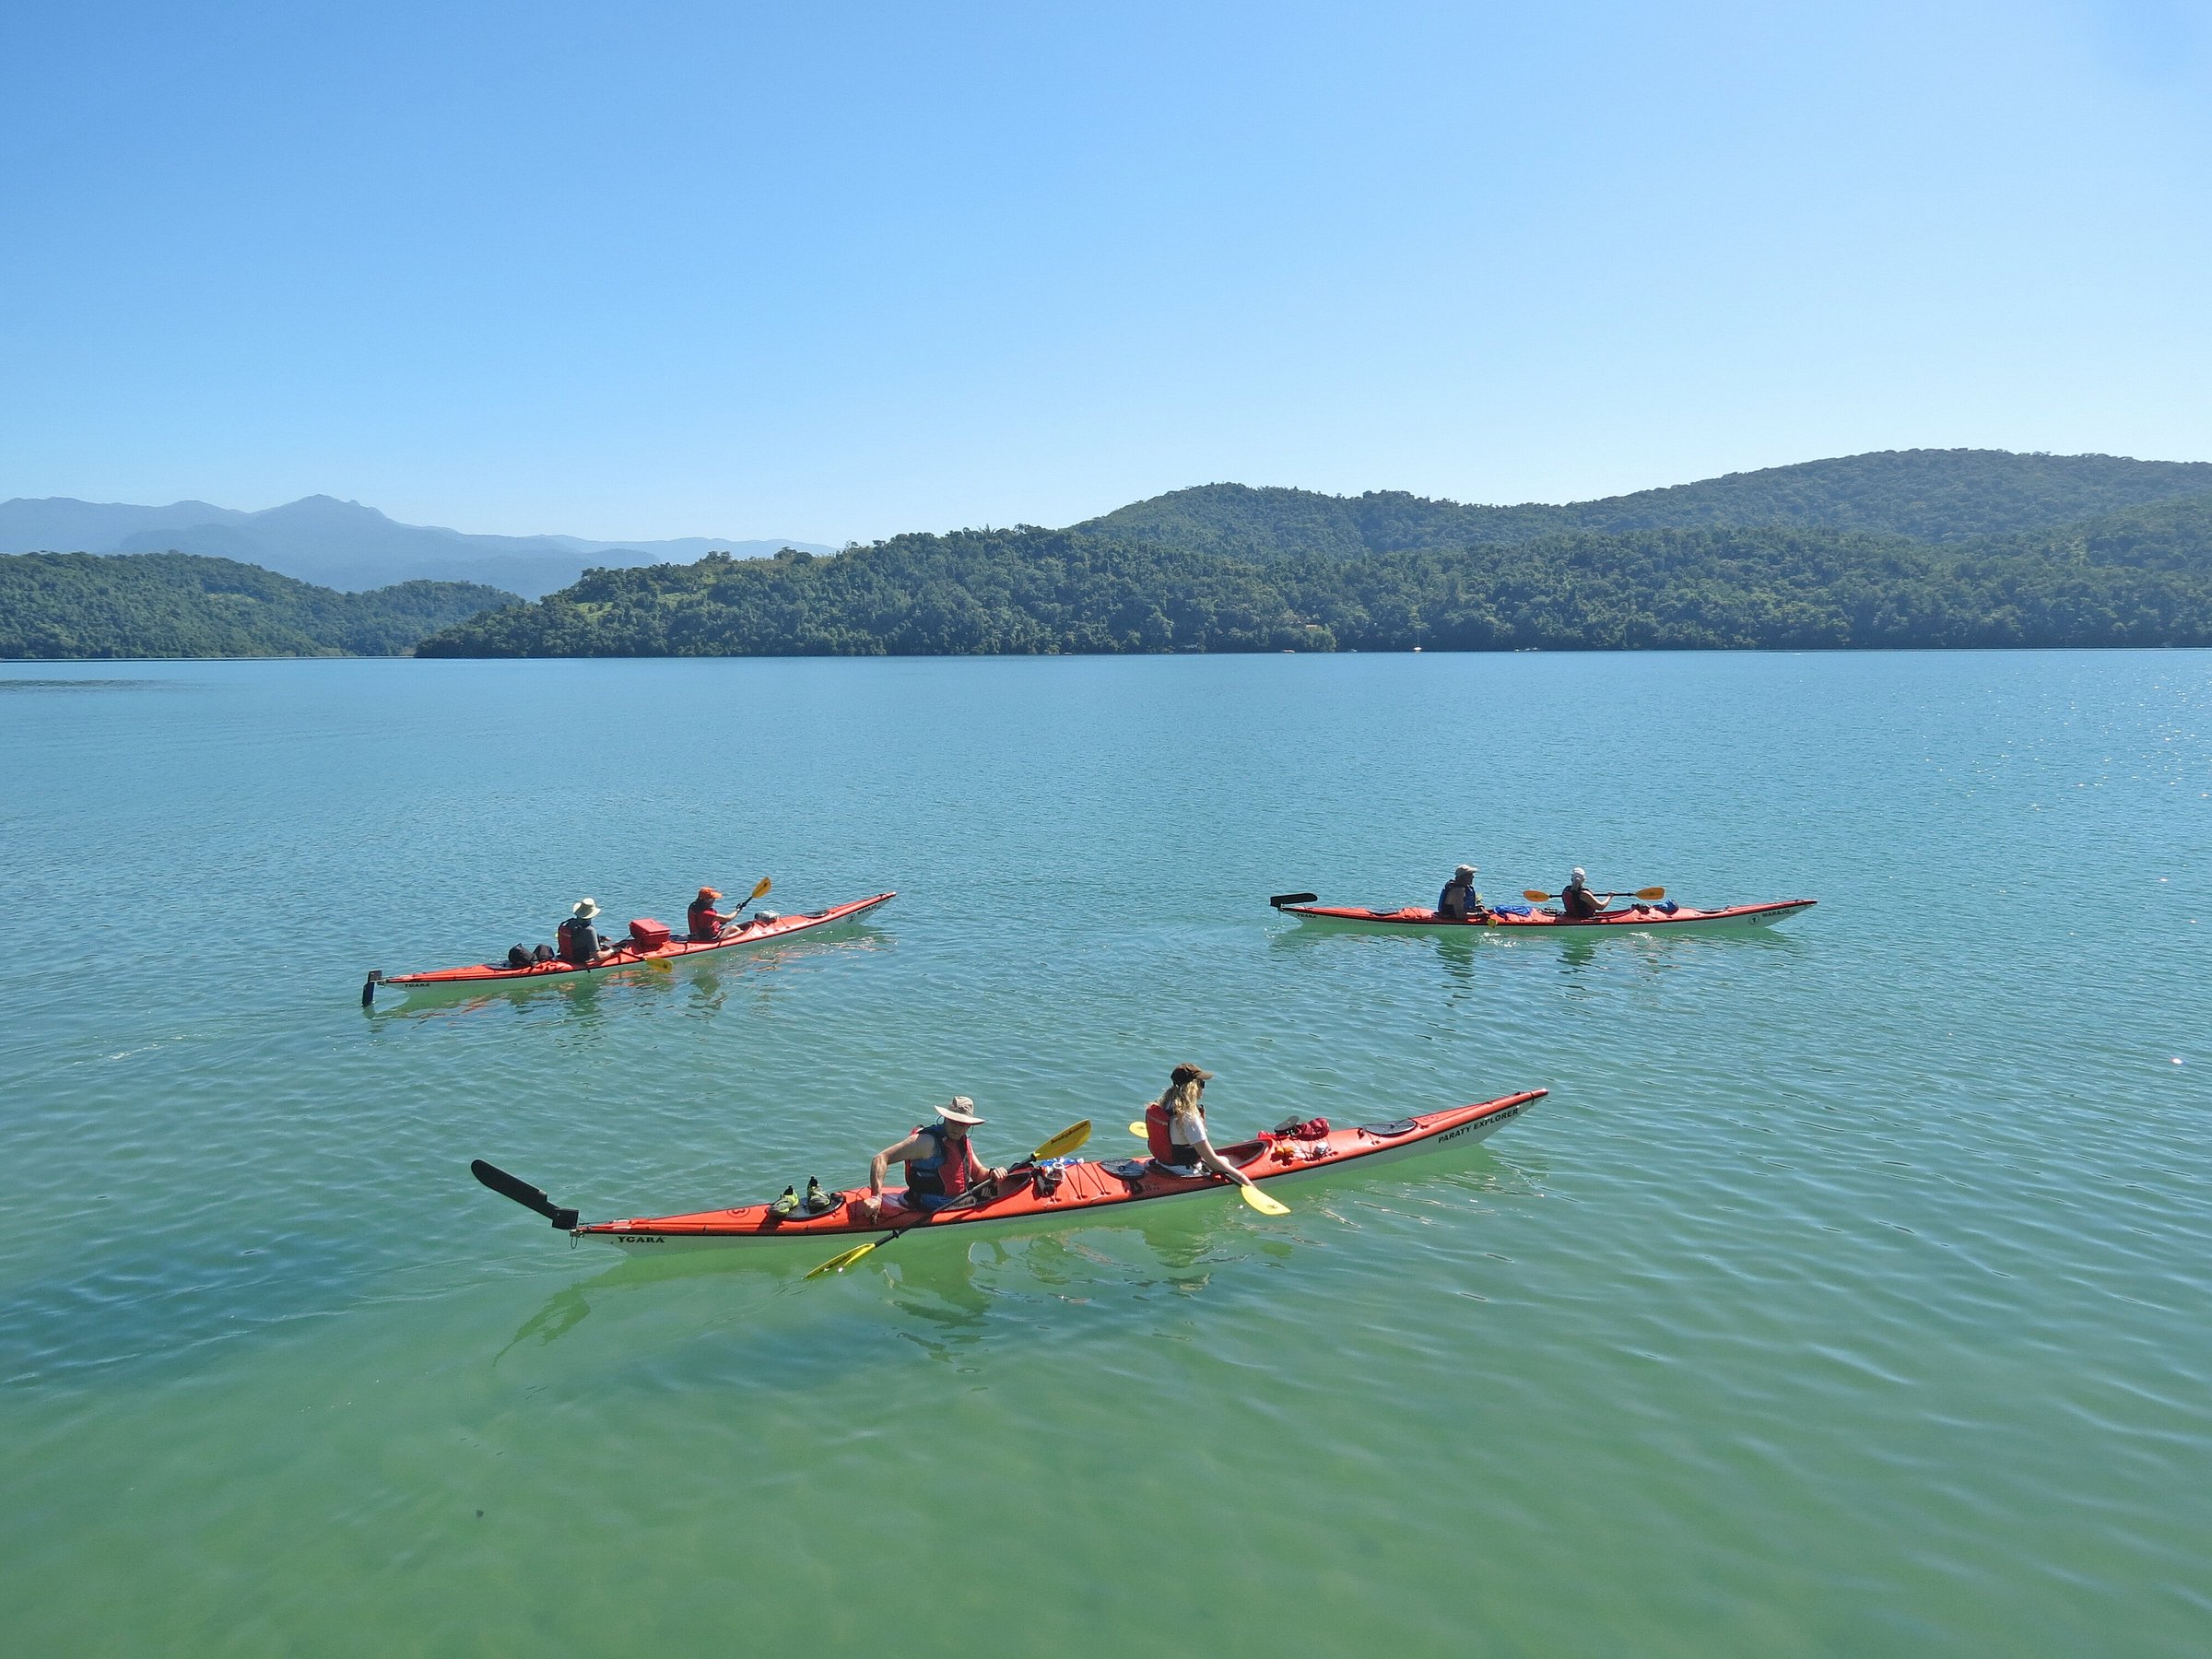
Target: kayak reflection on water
[944, 1295]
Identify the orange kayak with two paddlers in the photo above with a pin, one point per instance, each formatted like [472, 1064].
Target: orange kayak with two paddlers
[647, 942]
[1036, 1192]
[1522, 918]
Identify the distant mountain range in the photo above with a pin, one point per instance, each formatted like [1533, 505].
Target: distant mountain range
[341, 545]
[1922, 548]
[1914, 547]
[1928, 495]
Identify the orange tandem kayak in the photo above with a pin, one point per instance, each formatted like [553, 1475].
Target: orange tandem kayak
[627, 953]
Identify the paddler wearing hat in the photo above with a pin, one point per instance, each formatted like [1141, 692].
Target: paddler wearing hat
[705, 922]
[941, 1164]
[581, 943]
[1459, 902]
[1576, 898]
[1175, 1127]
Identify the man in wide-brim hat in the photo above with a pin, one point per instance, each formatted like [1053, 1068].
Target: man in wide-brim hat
[941, 1164]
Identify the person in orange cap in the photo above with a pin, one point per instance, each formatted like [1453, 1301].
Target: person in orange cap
[705, 922]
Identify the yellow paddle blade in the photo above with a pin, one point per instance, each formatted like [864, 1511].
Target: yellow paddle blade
[1062, 1143]
[761, 887]
[1140, 1132]
[1261, 1202]
[1650, 893]
[838, 1264]
[1533, 896]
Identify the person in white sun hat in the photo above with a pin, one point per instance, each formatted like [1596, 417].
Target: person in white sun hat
[581, 943]
[940, 1161]
[1576, 898]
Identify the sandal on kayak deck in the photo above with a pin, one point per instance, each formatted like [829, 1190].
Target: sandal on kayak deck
[820, 1202]
[784, 1209]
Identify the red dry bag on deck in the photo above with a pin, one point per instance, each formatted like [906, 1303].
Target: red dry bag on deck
[648, 934]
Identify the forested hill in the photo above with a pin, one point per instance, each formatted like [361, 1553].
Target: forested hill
[1927, 495]
[2138, 578]
[180, 605]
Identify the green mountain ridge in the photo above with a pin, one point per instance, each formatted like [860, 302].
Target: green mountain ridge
[2140, 577]
[1900, 548]
[1928, 495]
[91, 606]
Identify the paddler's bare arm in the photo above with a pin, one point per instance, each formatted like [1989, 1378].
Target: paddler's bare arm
[872, 1206]
[1221, 1166]
[913, 1146]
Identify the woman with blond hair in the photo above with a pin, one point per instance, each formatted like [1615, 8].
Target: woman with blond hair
[1175, 1128]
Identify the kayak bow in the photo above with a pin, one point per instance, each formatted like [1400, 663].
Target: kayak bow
[1057, 1191]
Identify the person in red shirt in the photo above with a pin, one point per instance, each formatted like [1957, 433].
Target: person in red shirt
[705, 922]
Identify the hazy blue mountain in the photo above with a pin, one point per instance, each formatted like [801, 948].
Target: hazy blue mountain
[1937, 496]
[341, 545]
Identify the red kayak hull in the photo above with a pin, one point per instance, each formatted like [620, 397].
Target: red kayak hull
[1087, 1187]
[1636, 921]
[752, 933]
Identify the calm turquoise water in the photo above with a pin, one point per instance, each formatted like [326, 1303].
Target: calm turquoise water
[1848, 1295]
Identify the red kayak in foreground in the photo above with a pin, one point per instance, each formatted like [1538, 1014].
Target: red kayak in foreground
[1641, 918]
[1059, 1188]
[626, 954]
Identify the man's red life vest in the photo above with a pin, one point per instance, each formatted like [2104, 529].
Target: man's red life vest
[947, 1172]
[703, 920]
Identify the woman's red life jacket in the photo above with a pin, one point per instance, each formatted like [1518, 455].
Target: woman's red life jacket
[942, 1174]
[1157, 1137]
[703, 920]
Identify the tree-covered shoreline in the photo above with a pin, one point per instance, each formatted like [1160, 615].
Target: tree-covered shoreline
[94, 607]
[1910, 549]
[2139, 578]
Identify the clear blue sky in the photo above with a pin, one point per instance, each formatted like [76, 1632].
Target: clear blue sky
[836, 271]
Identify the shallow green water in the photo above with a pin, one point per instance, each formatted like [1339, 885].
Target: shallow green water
[1848, 1295]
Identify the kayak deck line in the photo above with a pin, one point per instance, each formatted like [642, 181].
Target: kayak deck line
[751, 932]
[1082, 1186]
[1640, 919]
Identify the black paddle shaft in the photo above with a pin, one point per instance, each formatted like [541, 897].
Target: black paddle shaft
[522, 1192]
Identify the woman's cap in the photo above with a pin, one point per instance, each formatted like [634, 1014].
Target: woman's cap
[1464, 870]
[961, 1110]
[1187, 1072]
[1577, 872]
[586, 909]
[709, 892]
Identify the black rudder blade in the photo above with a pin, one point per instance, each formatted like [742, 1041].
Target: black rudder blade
[522, 1192]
